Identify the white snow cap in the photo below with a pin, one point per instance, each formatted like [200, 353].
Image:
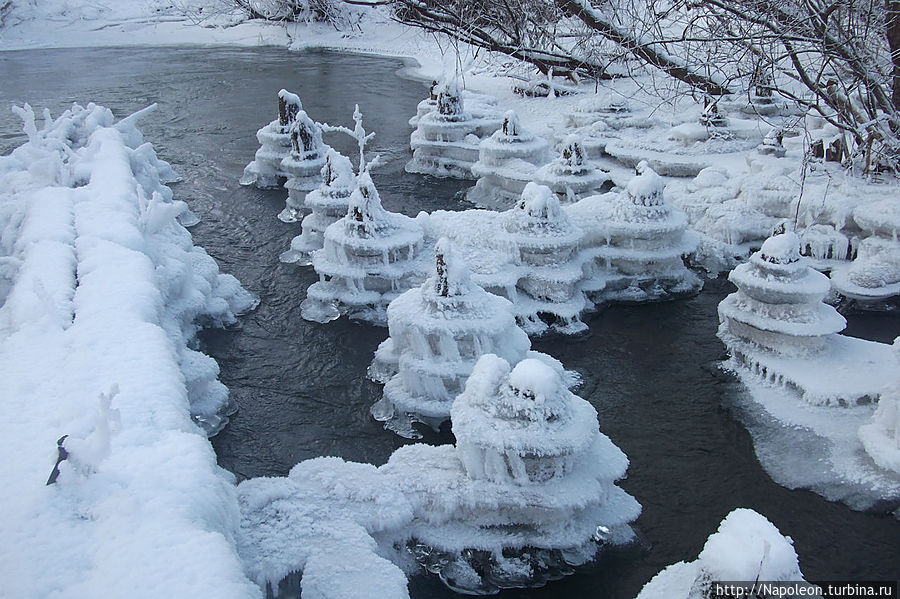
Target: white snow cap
[305, 134]
[449, 97]
[451, 276]
[782, 248]
[511, 124]
[647, 187]
[289, 98]
[338, 170]
[749, 547]
[573, 151]
[535, 392]
[364, 211]
[539, 201]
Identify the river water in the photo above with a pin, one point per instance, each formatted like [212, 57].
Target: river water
[301, 387]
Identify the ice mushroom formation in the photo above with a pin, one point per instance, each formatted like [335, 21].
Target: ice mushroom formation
[369, 257]
[482, 107]
[881, 437]
[275, 145]
[637, 241]
[507, 161]
[746, 547]
[545, 243]
[303, 165]
[874, 275]
[572, 176]
[326, 204]
[446, 140]
[437, 333]
[528, 491]
[599, 119]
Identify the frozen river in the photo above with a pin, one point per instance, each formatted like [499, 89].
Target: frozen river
[301, 387]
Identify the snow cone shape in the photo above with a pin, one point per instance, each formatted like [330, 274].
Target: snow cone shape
[437, 332]
[303, 166]
[547, 244]
[445, 142]
[507, 161]
[746, 547]
[778, 305]
[275, 139]
[327, 204]
[367, 260]
[528, 491]
[881, 437]
[642, 239]
[571, 176]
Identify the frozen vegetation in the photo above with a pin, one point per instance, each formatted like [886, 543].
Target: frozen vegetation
[266, 170]
[303, 166]
[527, 493]
[103, 292]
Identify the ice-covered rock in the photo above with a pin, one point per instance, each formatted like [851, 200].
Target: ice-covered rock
[529, 490]
[507, 161]
[482, 107]
[303, 166]
[275, 145]
[746, 547]
[546, 244]
[326, 205]
[874, 274]
[572, 176]
[637, 241]
[369, 257]
[881, 437]
[446, 140]
[437, 333]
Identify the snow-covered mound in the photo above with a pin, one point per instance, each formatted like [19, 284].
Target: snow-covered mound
[481, 106]
[637, 242]
[446, 140]
[874, 275]
[102, 293]
[303, 166]
[746, 547]
[599, 119]
[507, 161]
[572, 176]
[275, 145]
[437, 332]
[369, 257]
[881, 437]
[326, 204]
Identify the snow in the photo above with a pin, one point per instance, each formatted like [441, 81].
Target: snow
[881, 437]
[746, 547]
[277, 143]
[303, 165]
[105, 292]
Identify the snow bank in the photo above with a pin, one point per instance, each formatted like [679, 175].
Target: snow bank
[103, 290]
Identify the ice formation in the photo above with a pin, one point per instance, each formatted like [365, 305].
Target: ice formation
[881, 437]
[507, 161]
[437, 332]
[546, 245]
[572, 176]
[597, 120]
[368, 259]
[303, 166]
[445, 142]
[275, 140]
[326, 205]
[637, 241]
[529, 490]
[102, 292]
[874, 275]
[746, 547]
[480, 106]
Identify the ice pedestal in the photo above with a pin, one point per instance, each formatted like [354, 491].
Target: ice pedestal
[303, 166]
[507, 161]
[747, 547]
[275, 139]
[599, 119]
[437, 332]
[327, 205]
[874, 275]
[528, 492]
[637, 241]
[446, 140]
[546, 246]
[881, 437]
[369, 257]
[571, 176]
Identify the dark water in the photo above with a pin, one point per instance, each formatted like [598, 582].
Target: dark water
[301, 386]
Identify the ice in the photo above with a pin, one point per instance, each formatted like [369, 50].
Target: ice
[874, 274]
[507, 161]
[105, 294]
[881, 437]
[599, 119]
[746, 547]
[446, 140]
[571, 176]
[275, 145]
[437, 332]
[303, 166]
[326, 204]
